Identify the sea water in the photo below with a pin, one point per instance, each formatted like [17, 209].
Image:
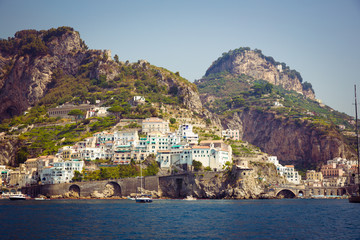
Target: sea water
[179, 219]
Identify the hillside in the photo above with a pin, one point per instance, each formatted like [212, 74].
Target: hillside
[271, 105]
[274, 109]
[43, 69]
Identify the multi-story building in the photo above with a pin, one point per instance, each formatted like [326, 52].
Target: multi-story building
[126, 137]
[61, 172]
[331, 171]
[186, 133]
[155, 125]
[314, 176]
[230, 134]
[209, 156]
[288, 171]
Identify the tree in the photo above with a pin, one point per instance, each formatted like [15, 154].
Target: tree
[172, 120]
[116, 110]
[116, 58]
[77, 176]
[77, 113]
[197, 165]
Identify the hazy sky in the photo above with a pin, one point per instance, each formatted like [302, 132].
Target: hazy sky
[320, 39]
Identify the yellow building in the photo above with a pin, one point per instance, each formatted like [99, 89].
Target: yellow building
[314, 176]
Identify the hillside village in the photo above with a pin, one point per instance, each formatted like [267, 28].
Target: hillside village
[174, 152]
[243, 97]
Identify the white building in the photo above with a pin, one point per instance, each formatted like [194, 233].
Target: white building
[288, 171]
[230, 134]
[126, 137]
[209, 156]
[186, 133]
[155, 125]
[61, 172]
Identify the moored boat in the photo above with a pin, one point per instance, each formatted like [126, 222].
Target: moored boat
[17, 196]
[189, 198]
[355, 198]
[143, 199]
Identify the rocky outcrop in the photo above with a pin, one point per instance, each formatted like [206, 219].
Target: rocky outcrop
[250, 183]
[9, 146]
[256, 65]
[25, 77]
[292, 141]
[26, 80]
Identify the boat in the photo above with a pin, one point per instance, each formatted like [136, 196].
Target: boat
[142, 198]
[189, 198]
[17, 196]
[39, 198]
[355, 198]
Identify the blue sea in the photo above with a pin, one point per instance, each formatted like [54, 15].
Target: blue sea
[179, 219]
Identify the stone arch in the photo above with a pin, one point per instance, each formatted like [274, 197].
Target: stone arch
[301, 194]
[75, 189]
[112, 189]
[285, 193]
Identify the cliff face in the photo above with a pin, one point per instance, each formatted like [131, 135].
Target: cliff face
[237, 183]
[25, 75]
[256, 65]
[27, 78]
[292, 142]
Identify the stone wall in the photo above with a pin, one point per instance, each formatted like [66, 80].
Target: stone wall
[120, 187]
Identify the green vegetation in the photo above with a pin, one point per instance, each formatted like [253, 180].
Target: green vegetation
[115, 172]
[32, 42]
[242, 93]
[197, 165]
[241, 149]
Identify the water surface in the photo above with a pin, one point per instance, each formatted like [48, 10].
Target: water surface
[179, 219]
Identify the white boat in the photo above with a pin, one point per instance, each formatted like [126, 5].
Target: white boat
[142, 198]
[17, 196]
[189, 198]
[39, 198]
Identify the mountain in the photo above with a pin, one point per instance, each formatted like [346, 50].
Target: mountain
[267, 101]
[254, 64]
[274, 109]
[43, 69]
[37, 64]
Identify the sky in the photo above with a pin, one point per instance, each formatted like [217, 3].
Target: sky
[320, 39]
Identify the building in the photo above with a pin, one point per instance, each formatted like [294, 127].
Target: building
[330, 170]
[126, 137]
[137, 100]
[186, 133]
[312, 175]
[290, 174]
[155, 125]
[209, 154]
[63, 110]
[230, 134]
[61, 172]
[288, 171]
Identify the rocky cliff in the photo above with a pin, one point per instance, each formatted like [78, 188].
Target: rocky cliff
[253, 63]
[29, 60]
[237, 183]
[298, 142]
